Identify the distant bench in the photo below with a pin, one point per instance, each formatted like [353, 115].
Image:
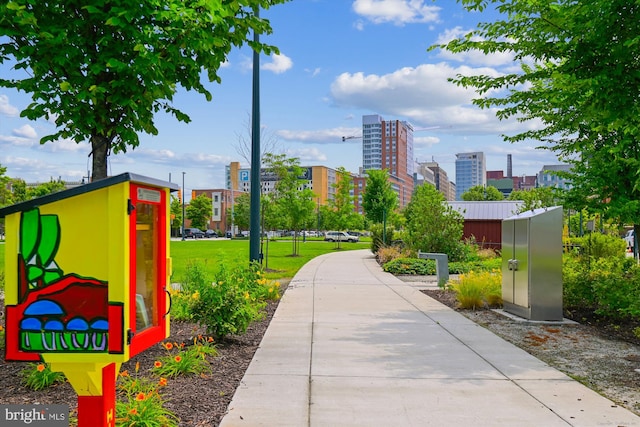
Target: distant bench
[442, 265]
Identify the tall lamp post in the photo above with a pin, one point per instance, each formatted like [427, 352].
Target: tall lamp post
[183, 217]
[254, 217]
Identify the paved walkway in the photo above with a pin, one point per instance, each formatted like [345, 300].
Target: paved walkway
[351, 345]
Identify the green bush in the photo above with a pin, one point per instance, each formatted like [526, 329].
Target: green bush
[597, 245]
[225, 305]
[417, 266]
[610, 286]
[378, 239]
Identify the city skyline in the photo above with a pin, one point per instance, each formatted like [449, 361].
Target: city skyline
[339, 61]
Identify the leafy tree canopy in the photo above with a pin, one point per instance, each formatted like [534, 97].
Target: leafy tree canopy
[341, 214]
[534, 198]
[199, 211]
[432, 225]
[480, 193]
[102, 70]
[578, 79]
[379, 199]
[293, 203]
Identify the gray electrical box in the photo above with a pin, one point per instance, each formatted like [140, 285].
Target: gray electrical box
[532, 264]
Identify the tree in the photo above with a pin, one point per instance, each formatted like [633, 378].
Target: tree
[45, 188]
[482, 193]
[579, 79]
[241, 212]
[176, 213]
[340, 214]
[19, 191]
[292, 199]
[534, 198]
[102, 70]
[199, 211]
[379, 200]
[269, 142]
[5, 189]
[432, 225]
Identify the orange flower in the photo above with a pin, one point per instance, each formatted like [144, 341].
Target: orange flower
[40, 367]
[140, 396]
[157, 364]
[124, 373]
[133, 411]
[177, 359]
[210, 339]
[162, 382]
[137, 366]
[168, 345]
[1, 328]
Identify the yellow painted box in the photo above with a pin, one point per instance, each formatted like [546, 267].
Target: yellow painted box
[87, 272]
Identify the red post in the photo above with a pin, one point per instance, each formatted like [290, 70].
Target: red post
[100, 411]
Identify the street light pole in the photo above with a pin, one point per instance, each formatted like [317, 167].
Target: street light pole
[183, 217]
[254, 217]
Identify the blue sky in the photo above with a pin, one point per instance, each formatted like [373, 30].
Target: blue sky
[339, 60]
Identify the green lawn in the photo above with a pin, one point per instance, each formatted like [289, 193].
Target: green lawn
[278, 259]
[212, 253]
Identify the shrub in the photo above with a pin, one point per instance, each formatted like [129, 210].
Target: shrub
[378, 239]
[417, 266]
[597, 245]
[38, 376]
[390, 252]
[226, 305]
[140, 403]
[181, 360]
[477, 289]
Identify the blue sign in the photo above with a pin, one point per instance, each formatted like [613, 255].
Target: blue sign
[244, 176]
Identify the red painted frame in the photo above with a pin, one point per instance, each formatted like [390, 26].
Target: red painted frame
[154, 334]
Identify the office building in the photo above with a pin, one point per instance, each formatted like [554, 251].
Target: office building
[548, 176]
[471, 170]
[319, 179]
[433, 173]
[388, 144]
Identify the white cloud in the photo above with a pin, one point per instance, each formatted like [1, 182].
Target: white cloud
[474, 57]
[323, 136]
[425, 141]
[399, 12]
[65, 145]
[25, 131]
[424, 96]
[314, 72]
[6, 108]
[279, 64]
[307, 155]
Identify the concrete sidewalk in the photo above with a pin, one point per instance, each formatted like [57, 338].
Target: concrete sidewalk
[351, 345]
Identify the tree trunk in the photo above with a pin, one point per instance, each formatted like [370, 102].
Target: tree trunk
[100, 146]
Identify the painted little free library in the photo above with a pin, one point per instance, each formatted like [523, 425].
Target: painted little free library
[86, 277]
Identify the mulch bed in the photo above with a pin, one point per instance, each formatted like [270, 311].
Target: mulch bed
[196, 400]
[609, 328]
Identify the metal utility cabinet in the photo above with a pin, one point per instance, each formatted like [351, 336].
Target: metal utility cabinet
[532, 264]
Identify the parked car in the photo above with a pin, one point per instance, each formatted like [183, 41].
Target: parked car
[210, 233]
[340, 236]
[193, 233]
[629, 238]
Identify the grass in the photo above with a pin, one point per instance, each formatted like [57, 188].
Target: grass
[211, 253]
[278, 259]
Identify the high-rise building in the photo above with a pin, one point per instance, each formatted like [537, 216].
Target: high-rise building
[440, 179]
[548, 177]
[388, 144]
[320, 179]
[471, 170]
